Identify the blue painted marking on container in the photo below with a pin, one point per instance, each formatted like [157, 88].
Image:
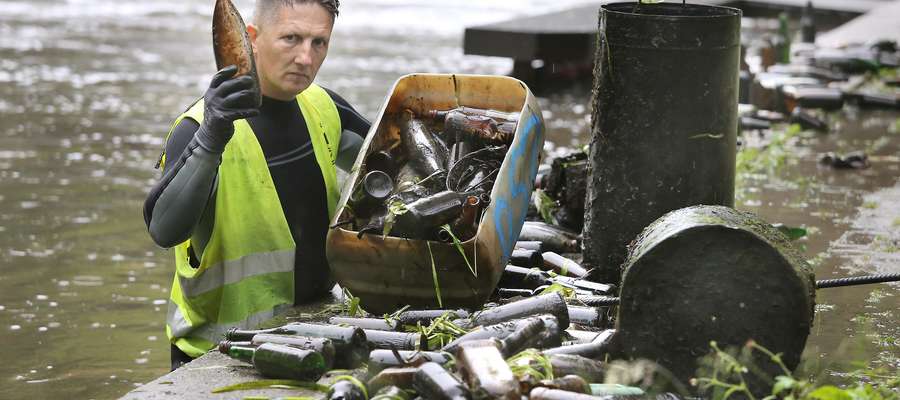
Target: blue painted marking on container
[512, 208]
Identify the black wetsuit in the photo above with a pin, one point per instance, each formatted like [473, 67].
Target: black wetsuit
[283, 135]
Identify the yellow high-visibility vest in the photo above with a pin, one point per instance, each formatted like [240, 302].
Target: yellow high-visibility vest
[246, 271]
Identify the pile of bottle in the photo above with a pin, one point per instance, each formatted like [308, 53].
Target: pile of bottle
[562, 345]
[435, 181]
[545, 315]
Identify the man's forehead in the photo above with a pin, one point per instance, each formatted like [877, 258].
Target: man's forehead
[310, 16]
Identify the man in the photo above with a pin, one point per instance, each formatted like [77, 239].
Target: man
[247, 194]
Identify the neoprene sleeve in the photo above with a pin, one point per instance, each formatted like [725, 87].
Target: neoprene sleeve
[178, 201]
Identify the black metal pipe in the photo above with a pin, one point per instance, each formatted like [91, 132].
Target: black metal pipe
[857, 280]
[599, 301]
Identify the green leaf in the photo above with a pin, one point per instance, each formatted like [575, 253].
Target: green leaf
[783, 383]
[556, 287]
[546, 206]
[792, 232]
[395, 208]
[522, 364]
[437, 287]
[269, 383]
[354, 306]
[830, 393]
[459, 248]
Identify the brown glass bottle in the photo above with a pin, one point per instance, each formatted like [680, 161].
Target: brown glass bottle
[485, 370]
[370, 193]
[466, 226]
[432, 381]
[425, 216]
[482, 129]
[424, 153]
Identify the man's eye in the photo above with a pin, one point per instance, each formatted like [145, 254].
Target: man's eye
[319, 42]
[290, 38]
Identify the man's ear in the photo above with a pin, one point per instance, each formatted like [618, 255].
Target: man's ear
[253, 32]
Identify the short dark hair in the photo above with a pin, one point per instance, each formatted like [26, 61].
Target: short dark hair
[265, 9]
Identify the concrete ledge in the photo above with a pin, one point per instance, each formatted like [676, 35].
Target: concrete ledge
[213, 370]
[197, 380]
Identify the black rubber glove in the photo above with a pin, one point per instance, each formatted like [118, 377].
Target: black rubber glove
[226, 101]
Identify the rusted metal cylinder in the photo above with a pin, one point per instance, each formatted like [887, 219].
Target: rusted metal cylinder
[664, 122]
[711, 273]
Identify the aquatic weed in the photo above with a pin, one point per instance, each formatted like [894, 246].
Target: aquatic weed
[459, 247]
[531, 363]
[434, 277]
[440, 331]
[546, 206]
[728, 376]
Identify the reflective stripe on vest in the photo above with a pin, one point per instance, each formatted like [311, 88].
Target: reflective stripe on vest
[246, 271]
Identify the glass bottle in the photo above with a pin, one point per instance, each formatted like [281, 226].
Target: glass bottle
[279, 361]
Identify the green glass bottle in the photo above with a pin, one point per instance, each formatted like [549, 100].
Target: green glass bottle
[279, 361]
[784, 51]
[350, 345]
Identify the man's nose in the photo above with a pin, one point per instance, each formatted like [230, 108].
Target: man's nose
[304, 54]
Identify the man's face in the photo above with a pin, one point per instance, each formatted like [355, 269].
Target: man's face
[290, 47]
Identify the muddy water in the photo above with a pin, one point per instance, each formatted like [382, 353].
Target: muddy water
[854, 222]
[89, 87]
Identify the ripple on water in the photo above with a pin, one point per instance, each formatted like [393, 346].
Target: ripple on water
[87, 280]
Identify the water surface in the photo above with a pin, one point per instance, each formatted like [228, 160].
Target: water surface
[88, 89]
